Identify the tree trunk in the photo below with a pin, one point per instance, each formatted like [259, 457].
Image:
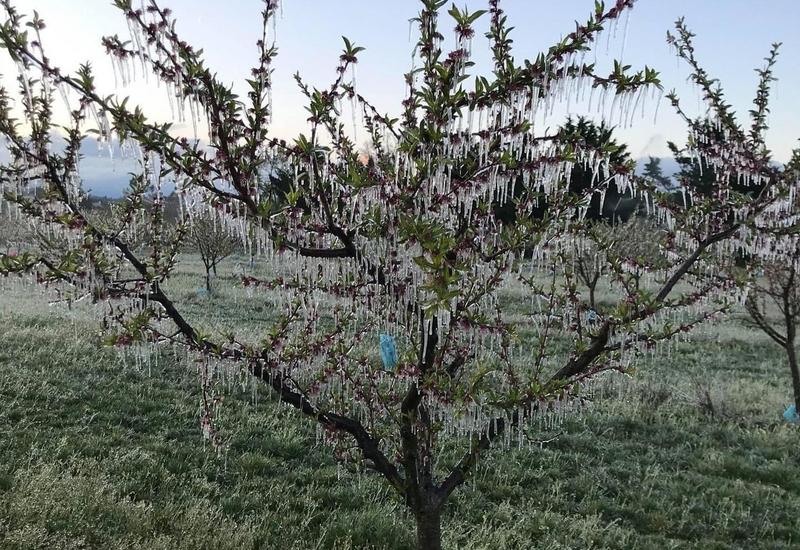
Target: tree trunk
[429, 529]
[208, 280]
[792, 354]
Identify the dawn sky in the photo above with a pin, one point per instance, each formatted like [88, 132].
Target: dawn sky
[733, 36]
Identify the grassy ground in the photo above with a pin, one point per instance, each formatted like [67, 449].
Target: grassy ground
[95, 453]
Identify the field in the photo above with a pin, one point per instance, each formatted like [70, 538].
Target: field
[99, 452]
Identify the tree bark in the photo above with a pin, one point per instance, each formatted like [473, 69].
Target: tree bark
[790, 319]
[208, 280]
[429, 529]
[792, 355]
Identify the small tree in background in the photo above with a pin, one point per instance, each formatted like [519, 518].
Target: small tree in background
[212, 242]
[775, 285]
[404, 252]
[779, 288]
[634, 242]
[590, 264]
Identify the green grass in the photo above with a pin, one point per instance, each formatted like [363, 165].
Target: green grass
[95, 453]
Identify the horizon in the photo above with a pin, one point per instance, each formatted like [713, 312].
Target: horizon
[106, 175]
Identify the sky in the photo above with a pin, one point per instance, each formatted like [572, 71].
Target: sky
[733, 36]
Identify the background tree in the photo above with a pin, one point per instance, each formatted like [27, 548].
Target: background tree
[775, 284]
[213, 243]
[703, 176]
[609, 204]
[406, 249]
[652, 170]
[779, 288]
[634, 242]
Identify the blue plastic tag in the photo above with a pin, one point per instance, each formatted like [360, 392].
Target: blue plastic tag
[791, 415]
[388, 352]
